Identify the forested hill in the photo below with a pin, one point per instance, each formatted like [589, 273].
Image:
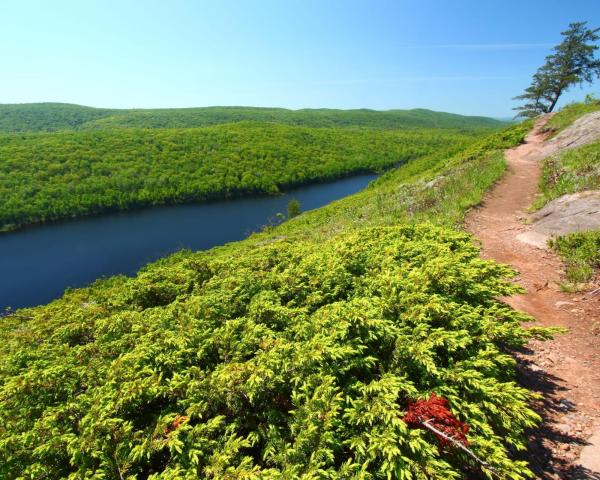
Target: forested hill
[35, 117]
[50, 176]
[47, 117]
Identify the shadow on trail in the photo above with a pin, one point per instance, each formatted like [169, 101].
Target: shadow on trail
[546, 440]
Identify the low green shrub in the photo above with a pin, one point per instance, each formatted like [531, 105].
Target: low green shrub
[283, 360]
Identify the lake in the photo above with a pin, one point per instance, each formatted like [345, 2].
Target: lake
[40, 262]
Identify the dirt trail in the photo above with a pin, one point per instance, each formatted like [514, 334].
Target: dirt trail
[566, 371]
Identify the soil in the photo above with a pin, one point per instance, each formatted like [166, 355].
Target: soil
[566, 370]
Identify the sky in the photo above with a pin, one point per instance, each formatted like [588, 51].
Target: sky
[462, 56]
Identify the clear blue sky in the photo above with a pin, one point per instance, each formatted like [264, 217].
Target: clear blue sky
[464, 56]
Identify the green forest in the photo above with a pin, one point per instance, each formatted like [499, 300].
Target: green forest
[60, 116]
[53, 176]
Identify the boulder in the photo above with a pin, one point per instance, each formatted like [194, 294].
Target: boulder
[577, 212]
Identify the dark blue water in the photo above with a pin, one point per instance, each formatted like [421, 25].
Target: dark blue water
[38, 263]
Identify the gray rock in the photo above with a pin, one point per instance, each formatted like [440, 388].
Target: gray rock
[590, 455]
[564, 428]
[434, 182]
[584, 130]
[561, 303]
[578, 212]
[535, 239]
[565, 404]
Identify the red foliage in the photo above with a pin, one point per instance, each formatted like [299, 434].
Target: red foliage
[175, 424]
[436, 413]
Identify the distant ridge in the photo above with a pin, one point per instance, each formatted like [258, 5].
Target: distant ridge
[48, 117]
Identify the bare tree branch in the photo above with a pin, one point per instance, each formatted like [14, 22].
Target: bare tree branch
[458, 444]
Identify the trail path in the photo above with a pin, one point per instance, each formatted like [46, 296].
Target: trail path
[566, 371]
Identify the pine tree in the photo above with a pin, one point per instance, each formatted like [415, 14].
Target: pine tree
[573, 62]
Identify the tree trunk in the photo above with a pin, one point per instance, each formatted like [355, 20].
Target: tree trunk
[553, 104]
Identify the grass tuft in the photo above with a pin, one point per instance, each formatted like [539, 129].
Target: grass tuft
[581, 252]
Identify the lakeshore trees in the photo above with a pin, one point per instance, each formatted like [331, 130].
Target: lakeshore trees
[52, 176]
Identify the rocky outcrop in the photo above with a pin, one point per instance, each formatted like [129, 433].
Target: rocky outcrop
[577, 212]
[584, 130]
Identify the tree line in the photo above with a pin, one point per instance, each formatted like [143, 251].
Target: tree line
[52, 176]
[59, 116]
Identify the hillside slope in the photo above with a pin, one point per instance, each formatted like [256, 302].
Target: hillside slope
[195, 117]
[57, 116]
[293, 354]
[47, 117]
